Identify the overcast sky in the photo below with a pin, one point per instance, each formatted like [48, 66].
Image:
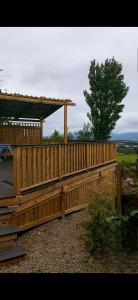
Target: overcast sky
[54, 62]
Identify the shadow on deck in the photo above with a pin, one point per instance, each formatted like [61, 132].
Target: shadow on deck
[6, 178]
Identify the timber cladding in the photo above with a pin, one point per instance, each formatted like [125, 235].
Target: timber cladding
[71, 195]
[18, 134]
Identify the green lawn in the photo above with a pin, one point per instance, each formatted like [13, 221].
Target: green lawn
[130, 158]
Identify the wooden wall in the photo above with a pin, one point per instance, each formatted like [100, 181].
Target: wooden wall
[20, 134]
[49, 203]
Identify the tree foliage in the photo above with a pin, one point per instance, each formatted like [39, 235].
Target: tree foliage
[56, 135]
[84, 134]
[107, 90]
[70, 136]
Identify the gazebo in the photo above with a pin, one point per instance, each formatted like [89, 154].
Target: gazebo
[22, 117]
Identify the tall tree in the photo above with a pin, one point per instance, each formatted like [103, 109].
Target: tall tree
[107, 90]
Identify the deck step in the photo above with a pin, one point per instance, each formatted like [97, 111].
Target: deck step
[10, 229]
[13, 252]
[8, 244]
[6, 210]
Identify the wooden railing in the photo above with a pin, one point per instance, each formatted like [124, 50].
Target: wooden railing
[20, 134]
[49, 142]
[37, 165]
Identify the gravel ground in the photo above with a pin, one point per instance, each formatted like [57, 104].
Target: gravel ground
[58, 247]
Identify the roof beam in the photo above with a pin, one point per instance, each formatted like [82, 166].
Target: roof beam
[40, 100]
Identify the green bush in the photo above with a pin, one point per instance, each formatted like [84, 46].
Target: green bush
[106, 229]
[97, 227]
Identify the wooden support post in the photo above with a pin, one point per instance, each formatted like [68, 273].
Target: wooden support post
[87, 157]
[16, 171]
[65, 124]
[63, 204]
[41, 138]
[60, 162]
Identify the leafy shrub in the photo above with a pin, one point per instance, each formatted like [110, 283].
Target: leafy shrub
[106, 229]
[128, 166]
[97, 226]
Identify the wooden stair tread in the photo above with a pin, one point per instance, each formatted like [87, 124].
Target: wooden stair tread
[12, 252]
[6, 210]
[10, 229]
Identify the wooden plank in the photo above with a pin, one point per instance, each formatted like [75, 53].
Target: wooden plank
[38, 222]
[34, 165]
[8, 238]
[29, 166]
[51, 162]
[39, 164]
[73, 209]
[59, 158]
[23, 160]
[18, 171]
[15, 170]
[7, 244]
[11, 252]
[43, 164]
[36, 100]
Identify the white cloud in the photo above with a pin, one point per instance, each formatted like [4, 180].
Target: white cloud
[54, 62]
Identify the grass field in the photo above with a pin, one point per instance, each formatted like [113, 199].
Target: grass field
[129, 158]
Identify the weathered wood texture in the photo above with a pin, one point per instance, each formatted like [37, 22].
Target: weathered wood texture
[20, 134]
[37, 165]
[74, 194]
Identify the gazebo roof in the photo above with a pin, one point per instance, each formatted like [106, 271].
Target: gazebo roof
[28, 107]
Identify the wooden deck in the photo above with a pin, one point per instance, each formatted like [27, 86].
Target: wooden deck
[34, 166]
[45, 182]
[6, 179]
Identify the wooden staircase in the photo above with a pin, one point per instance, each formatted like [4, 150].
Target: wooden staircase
[8, 236]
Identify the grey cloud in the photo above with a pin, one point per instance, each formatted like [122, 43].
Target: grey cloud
[54, 62]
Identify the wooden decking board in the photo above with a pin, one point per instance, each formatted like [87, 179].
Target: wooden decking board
[6, 210]
[13, 252]
[9, 230]
[6, 179]
[7, 182]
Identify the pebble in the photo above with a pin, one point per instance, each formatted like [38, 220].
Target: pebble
[61, 248]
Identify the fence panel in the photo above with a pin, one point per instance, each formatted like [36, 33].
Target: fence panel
[36, 165]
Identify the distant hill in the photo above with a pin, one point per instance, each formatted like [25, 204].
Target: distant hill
[125, 136]
[117, 136]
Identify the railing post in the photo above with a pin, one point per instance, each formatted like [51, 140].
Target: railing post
[87, 156]
[17, 170]
[63, 195]
[41, 131]
[60, 161]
